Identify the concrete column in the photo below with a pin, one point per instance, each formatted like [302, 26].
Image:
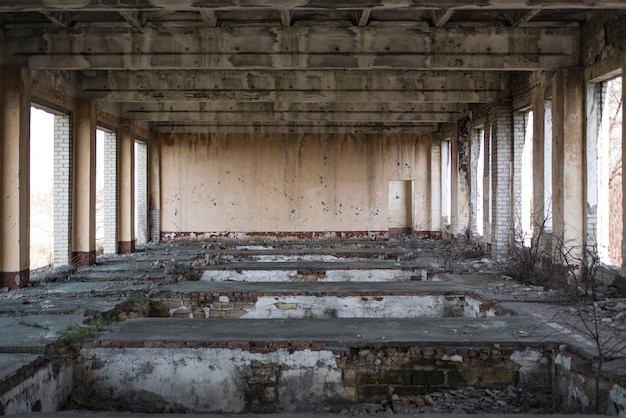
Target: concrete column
[539, 211]
[126, 178]
[461, 178]
[15, 178]
[110, 193]
[421, 189]
[487, 185]
[141, 192]
[501, 179]
[435, 185]
[62, 190]
[568, 151]
[154, 181]
[84, 184]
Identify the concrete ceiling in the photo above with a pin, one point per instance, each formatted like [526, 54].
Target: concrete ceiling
[295, 65]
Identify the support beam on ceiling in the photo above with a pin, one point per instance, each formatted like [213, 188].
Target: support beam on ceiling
[319, 46]
[441, 17]
[432, 96]
[153, 5]
[518, 18]
[159, 116]
[252, 107]
[209, 17]
[60, 19]
[364, 17]
[294, 112]
[133, 17]
[313, 81]
[295, 127]
[285, 17]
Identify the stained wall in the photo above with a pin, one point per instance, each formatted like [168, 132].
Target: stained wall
[289, 183]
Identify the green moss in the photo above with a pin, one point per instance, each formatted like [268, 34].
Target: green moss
[74, 335]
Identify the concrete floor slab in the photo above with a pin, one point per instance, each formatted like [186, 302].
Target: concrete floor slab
[26, 333]
[12, 362]
[515, 331]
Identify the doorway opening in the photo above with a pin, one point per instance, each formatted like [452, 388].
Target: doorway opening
[400, 213]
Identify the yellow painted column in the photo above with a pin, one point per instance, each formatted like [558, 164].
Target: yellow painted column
[568, 164]
[435, 186]
[454, 182]
[126, 178]
[14, 177]
[84, 184]
[154, 181]
[421, 193]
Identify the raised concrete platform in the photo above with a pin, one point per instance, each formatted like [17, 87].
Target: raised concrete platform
[480, 332]
[79, 414]
[335, 358]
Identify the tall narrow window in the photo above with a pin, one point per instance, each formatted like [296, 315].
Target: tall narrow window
[527, 178]
[610, 173]
[480, 189]
[42, 179]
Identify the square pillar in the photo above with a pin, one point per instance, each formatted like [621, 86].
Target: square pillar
[568, 159]
[62, 190]
[435, 186]
[154, 188]
[110, 193]
[84, 184]
[15, 179]
[126, 178]
[460, 193]
[502, 179]
[421, 188]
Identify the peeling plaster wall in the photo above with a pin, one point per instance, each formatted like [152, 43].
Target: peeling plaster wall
[273, 183]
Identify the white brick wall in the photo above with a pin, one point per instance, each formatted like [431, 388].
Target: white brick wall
[501, 178]
[155, 225]
[519, 134]
[141, 192]
[110, 193]
[62, 189]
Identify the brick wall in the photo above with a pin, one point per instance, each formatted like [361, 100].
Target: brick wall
[62, 188]
[519, 134]
[110, 193]
[141, 192]
[501, 160]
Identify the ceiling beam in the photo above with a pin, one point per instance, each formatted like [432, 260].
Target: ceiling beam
[430, 96]
[209, 17]
[517, 18]
[288, 80]
[364, 17]
[285, 17]
[441, 17]
[133, 17]
[294, 112]
[202, 116]
[156, 5]
[60, 19]
[252, 107]
[316, 47]
[294, 127]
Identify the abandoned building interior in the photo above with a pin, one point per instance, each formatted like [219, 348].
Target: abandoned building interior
[422, 168]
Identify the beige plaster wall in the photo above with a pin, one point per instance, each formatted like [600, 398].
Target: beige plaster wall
[267, 183]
